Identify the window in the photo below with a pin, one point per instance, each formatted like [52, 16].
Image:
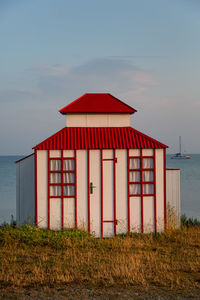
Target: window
[141, 175]
[134, 163]
[62, 177]
[135, 176]
[148, 176]
[135, 189]
[147, 163]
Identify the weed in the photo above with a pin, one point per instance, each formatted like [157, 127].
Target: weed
[33, 257]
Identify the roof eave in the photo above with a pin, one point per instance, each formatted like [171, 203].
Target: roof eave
[95, 112]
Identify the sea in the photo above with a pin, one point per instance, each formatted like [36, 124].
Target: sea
[190, 186]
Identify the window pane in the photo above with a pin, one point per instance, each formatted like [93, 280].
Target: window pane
[68, 177]
[69, 165]
[148, 176]
[55, 165]
[134, 189]
[69, 190]
[55, 178]
[134, 176]
[148, 188]
[147, 163]
[134, 163]
[55, 190]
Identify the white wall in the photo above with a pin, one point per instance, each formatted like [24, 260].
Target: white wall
[148, 213]
[173, 194]
[69, 203]
[25, 190]
[108, 193]
[160, 189]
[42, 188]
[95, 198]
[82, 220]
[97, 120]
[121, 191]
[135, 214]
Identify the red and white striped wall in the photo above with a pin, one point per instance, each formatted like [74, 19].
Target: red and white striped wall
[102, 203]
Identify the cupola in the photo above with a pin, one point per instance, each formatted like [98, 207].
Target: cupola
[97, 110]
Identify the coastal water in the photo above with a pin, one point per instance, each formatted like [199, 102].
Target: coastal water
[190, 185]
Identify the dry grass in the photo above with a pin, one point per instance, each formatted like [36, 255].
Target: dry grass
[31, 257]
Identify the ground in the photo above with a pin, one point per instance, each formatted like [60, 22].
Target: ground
[71, 264]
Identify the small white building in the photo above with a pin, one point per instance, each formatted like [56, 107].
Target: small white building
[97, 174]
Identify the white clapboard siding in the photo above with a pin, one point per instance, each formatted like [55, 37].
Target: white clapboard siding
[173, 193]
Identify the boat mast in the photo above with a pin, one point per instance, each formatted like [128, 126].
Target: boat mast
[179, 144]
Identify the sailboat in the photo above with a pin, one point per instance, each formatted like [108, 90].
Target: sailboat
[180, 155]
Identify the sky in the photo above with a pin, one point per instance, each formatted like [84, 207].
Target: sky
[146, 53]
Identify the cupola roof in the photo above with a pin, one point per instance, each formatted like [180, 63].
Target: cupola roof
[97, 103]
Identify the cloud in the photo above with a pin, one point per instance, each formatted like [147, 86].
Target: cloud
[48, 84]
[47, 69]
[36, 96]
[119, 77]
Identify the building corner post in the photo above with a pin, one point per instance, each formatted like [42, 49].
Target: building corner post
[36, 204]
[165, 198]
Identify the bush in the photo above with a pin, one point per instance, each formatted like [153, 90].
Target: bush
[189, 222]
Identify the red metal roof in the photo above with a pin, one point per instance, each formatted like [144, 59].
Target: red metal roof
[99, 138]
[97, 103]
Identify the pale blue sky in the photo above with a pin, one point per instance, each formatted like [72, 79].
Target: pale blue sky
[147, 53]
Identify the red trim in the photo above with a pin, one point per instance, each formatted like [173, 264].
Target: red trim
[172, 169]
[75, 162]
[48, 197]
[111, 221]
[114, 159]
[88, 182]
[149, 169]
[139, 182]
[128, 182]
[142, 183]
[59, 197]
[59, 158]
[165, 204]
[142, 204]
[139, 195]
[145, 156]
[155, 208]
[62, 171]
[36, 204]
[101, 169]
[62, 192]
[114, 190]
[62, 184]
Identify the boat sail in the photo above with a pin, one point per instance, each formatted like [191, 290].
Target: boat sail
[180, 155]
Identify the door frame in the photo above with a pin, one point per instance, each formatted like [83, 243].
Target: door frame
[114, 159]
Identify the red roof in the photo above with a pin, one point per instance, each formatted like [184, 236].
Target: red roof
[99, 138]
[97, 103]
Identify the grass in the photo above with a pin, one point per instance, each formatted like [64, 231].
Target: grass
[33, 258]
